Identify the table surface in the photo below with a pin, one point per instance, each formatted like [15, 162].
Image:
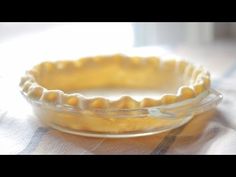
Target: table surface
[209, 133]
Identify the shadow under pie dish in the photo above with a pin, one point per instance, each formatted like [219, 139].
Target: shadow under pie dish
[118, 95]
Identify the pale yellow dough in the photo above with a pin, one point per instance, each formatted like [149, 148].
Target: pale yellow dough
[60, 83]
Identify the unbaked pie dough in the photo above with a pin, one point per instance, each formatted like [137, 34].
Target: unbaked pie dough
[72, 84]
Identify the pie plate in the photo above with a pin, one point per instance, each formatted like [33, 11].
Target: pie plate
[50, 89]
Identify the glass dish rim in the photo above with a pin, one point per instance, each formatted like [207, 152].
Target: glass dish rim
[163, 110]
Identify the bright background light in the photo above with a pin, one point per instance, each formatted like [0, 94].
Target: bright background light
[54, 41]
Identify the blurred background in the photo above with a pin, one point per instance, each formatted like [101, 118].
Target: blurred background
[25, 44]
[128, 34]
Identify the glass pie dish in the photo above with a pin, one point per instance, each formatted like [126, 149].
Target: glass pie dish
[80, 96]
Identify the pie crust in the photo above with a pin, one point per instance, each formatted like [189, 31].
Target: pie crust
[59, 83]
